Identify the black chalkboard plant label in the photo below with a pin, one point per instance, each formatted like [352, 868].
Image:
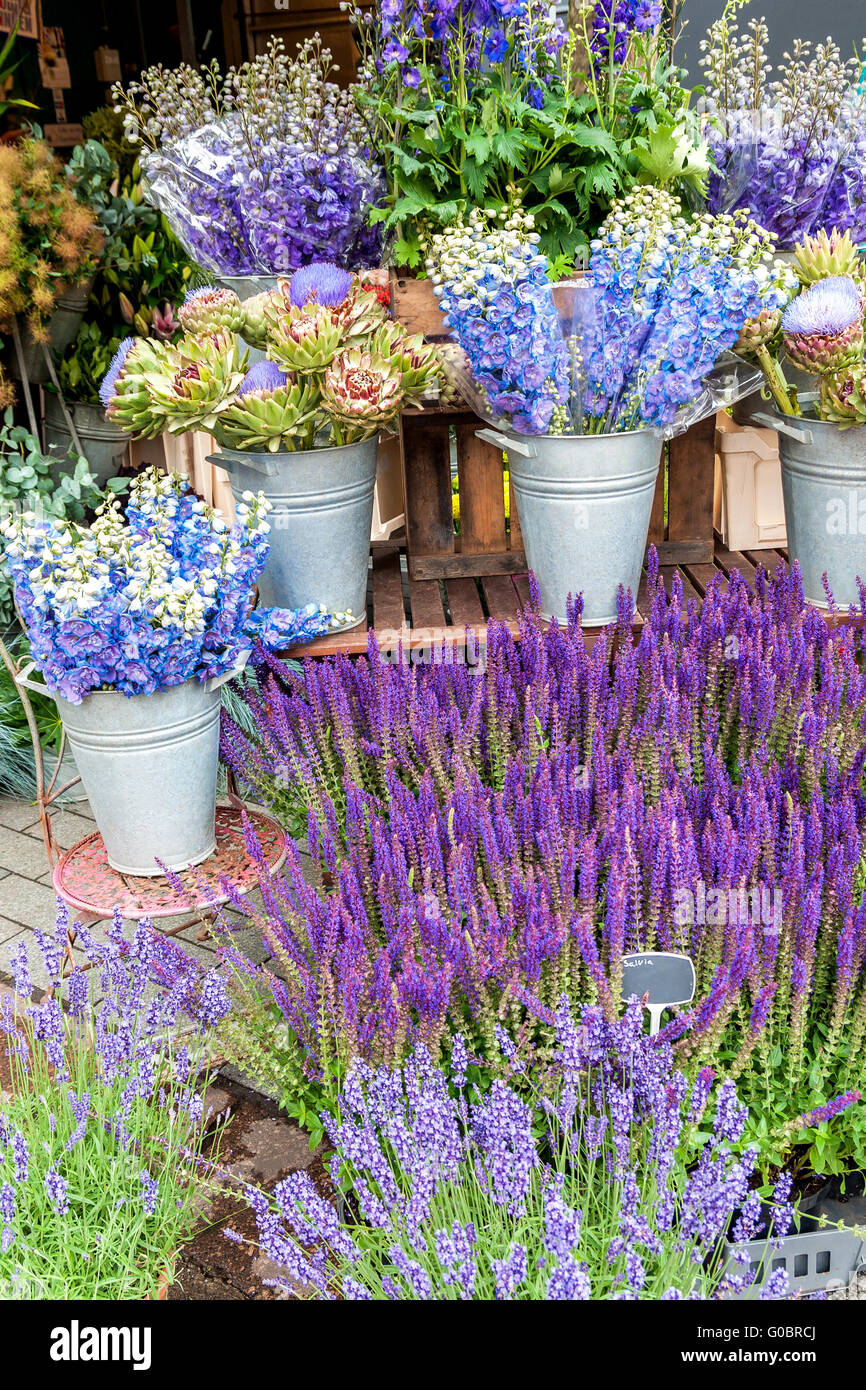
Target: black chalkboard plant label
[660, 979]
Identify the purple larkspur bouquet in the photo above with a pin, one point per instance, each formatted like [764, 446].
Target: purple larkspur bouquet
[262, 169]
[791, 150]
[643, 341]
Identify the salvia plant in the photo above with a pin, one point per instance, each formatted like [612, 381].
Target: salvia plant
[262, 168]
[337, 369]
[100, 1137]
[491, 838]
[633, 344]
[789, 146]
[453, 1197]
[140, 601]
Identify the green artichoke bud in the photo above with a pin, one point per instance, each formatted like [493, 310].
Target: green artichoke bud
[270, 411]
[177, 388]
[822, 329]
[361, 393]
[211, 310]
[417, 362]
[303, 340]
[843, 397]
[758, 332]
[827, 253]
[255, 328]
[125, 391]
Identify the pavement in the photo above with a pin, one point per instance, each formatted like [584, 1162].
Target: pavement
[27, 898]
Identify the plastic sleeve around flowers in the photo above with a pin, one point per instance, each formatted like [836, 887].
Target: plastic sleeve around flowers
[730, 380]
[237, 216]
[764, 169]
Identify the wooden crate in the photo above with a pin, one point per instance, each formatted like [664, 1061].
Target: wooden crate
[488, 543]
[681, 524]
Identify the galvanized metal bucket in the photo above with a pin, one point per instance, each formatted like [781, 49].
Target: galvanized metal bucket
[63, 329]
[824, 487]
[584, 504]
[103, 444]
[322, 502]
[148, 764]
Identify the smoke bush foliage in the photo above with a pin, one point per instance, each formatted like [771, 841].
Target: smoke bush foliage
[488, 842]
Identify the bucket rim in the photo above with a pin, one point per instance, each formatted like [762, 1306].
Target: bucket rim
[292, 453]
[606, 434]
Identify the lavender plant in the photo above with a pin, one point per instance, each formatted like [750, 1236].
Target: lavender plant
[493, 840]
[261, 169]
[790, 149]
[454, 1199]
[100, 1135]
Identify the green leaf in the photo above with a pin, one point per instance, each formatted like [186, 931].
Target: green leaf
[475, 178]
[478, 145]
[507, 146]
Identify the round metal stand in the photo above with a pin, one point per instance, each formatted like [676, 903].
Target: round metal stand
[84, 879]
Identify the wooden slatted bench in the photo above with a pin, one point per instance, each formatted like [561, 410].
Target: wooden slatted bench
[422, 614]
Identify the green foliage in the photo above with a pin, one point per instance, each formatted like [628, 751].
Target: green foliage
[85, 364]
[105, 126]
[46, 484]
[141, 271]
[473, 146]
[645, 107]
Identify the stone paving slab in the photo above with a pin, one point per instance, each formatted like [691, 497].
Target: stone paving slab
[18, 815]
[26, 901]
[67, 827]
[23, 854]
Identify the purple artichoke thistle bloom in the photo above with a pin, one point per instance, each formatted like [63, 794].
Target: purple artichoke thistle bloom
[262, 376]
[320, 283]
[826, 308]
[109, 381]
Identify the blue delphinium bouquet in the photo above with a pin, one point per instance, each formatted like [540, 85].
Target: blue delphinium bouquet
[261, 169]
[629, 346]
[140, 602]
[792, 150]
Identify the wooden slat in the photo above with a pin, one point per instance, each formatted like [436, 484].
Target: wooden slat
[729, 560]
[701, 576]
[482, 495]
[466, 566]
[685, 552]
[691, 475]
[415, 306]
[427, 484]
[388, 608]
[464, 603]
[767, 559]
[501, 598]
[657, 516]
[425, 602]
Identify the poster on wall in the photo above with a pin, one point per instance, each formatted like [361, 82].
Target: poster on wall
[53, 64]
[27, 14]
